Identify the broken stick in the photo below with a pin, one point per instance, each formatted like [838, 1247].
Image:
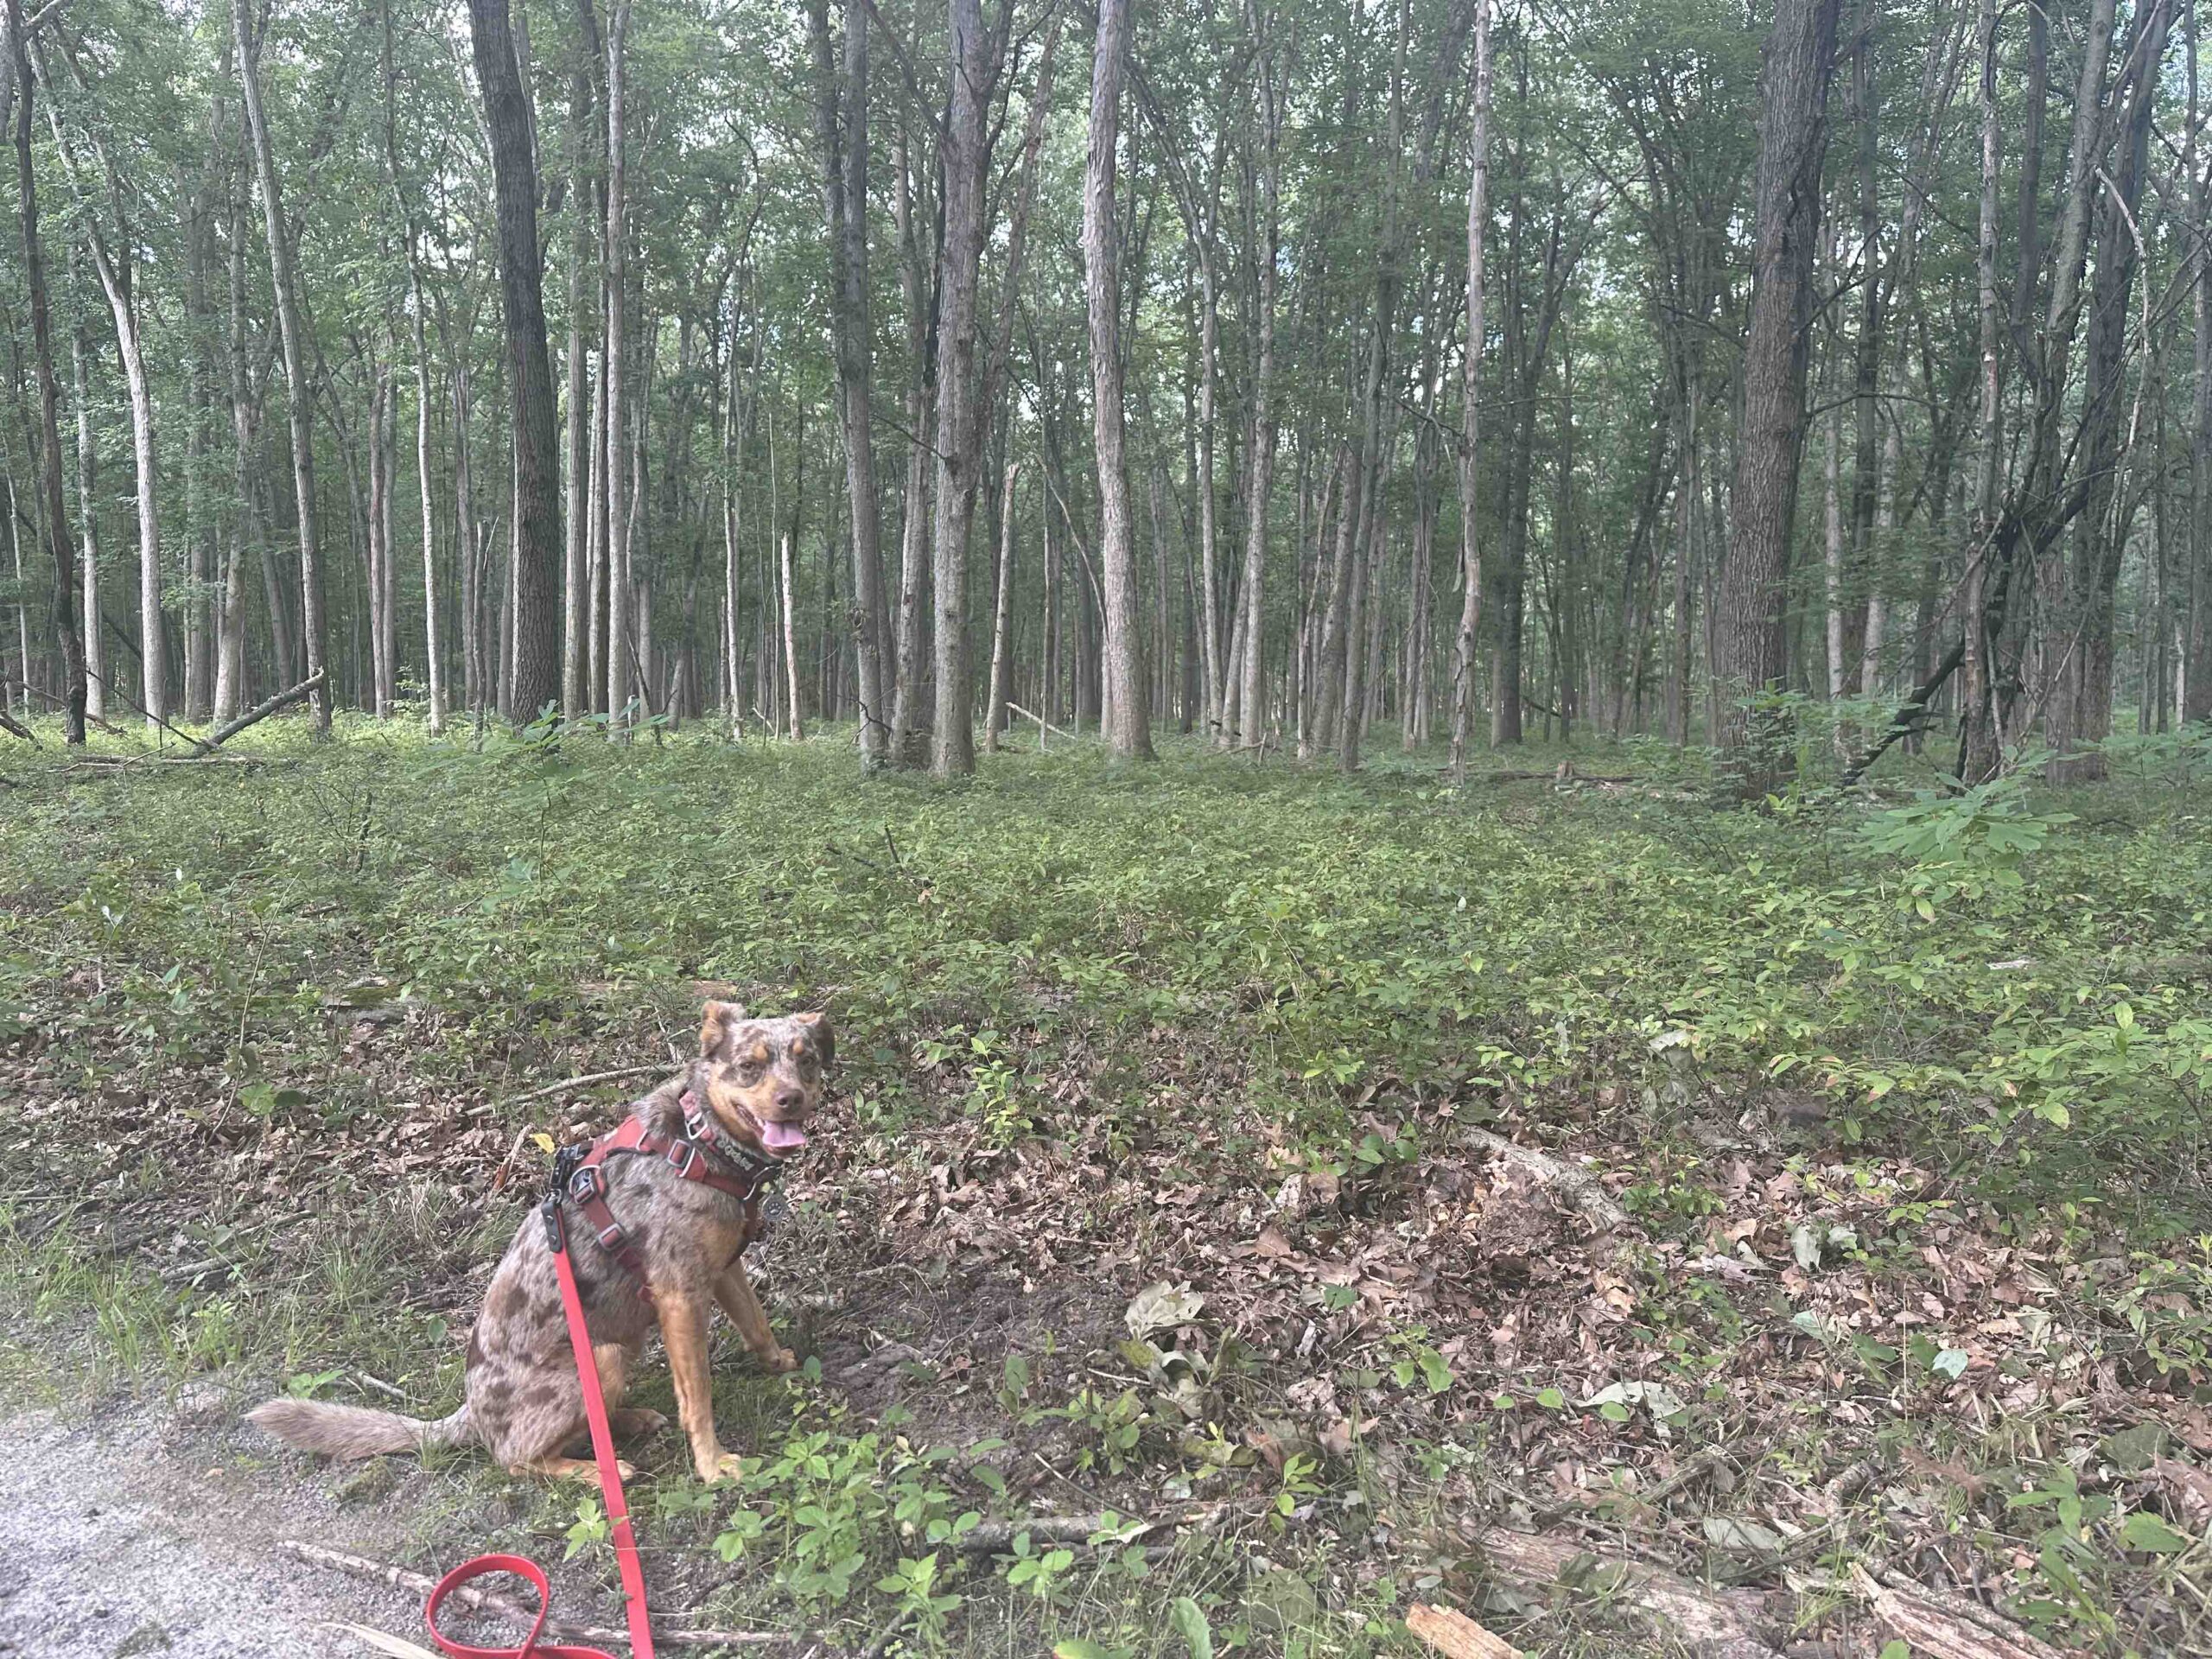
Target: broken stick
[1455, 1635]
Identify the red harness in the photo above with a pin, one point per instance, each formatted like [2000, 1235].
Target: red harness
[583, 1182]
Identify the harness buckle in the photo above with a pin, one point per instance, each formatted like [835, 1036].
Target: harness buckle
[687, 1157]
[588, 1183]
[612, 1237]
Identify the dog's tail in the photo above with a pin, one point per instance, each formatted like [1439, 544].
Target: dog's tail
[356, 1431]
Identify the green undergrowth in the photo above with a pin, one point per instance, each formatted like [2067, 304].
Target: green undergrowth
[2007, 988]
[2011, 985]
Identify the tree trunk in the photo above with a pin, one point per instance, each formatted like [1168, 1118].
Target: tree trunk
[614, 366]
[1131, 722]
[1751, 648]
[292, 330]
[88, 532]
[1467, 640]
[1251, 710]
[841, 123]
[1002, 623]
[66, 636]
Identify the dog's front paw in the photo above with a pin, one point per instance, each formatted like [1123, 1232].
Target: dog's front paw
[779, 1360]
[724, 1465]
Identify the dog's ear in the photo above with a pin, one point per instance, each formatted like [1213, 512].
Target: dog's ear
[818, 1028]
[722, 1019]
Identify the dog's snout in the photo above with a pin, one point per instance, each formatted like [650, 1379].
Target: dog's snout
[790, 1100]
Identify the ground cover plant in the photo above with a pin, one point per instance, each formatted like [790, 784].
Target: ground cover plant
[1164, 1180]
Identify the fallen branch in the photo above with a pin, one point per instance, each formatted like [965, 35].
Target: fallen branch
[255, 715]
[490, 1602]
[1581, 1189]
[1455, 1635]
[994, 1537]
[1945, 1626]
[1724, 1625]
[1041, 721]
[9, 725]
[617, 1075]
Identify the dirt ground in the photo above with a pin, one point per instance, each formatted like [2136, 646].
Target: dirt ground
[142, 1534]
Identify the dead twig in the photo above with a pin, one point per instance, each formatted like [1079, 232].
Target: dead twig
[490, 1601]
[617, 1075]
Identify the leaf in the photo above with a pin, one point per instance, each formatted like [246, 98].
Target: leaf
[1191, 1625]
[2145, 1531]
[544, 1142]
[1079, 1647]
[1951, 1362]
[1552, 1400]
[1805, 1245]
[1161, 1307]
[1744, 1537]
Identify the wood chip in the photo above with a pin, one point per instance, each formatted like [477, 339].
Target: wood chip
[1455, 1635]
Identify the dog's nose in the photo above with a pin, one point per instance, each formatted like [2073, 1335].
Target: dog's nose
[790, 1100]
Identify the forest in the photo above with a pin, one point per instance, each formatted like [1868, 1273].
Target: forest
[1487, 724]
[1268, 373]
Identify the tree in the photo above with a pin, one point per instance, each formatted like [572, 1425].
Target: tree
[292, 329]
[1129, 723]
[1751, 652]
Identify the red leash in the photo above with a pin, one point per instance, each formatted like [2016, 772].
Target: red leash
[610, 1483]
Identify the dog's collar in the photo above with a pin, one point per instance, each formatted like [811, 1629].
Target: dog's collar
[755, 1168]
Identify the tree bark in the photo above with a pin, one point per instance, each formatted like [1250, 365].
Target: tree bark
[88, 527]
[534, 617]
[614, 297]
[67, 638]
[291, 329]
[841, 123]
[1130, 723]
[1751, 652]
[1471, 561]
[1001, 688]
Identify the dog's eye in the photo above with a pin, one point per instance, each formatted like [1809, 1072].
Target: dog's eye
[808, 1065]
[749, 1072]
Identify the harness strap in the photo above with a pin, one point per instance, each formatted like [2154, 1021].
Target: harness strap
[693, 1157]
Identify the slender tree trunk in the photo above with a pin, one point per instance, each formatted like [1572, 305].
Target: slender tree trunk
[292, 330]
[575, 651]
[1130, 720]
[1002, 622]
[1251, 708]
[1471, 562]
[840, 121]
[790, 646]
[88, 533]
[913, 548]
[230, 650]
[66, 636]
[2196, 655]
[614, 261]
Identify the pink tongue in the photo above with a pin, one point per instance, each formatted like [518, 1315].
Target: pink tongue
[782, 1137]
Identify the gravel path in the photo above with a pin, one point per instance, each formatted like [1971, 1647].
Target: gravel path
[110, 1549]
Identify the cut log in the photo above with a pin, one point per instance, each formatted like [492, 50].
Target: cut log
[259, 712]
[1579, 1186]
[1944, 1626]
[1720, 1624]
[1455, 1635]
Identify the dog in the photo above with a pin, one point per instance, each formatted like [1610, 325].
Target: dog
[751, 1091]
